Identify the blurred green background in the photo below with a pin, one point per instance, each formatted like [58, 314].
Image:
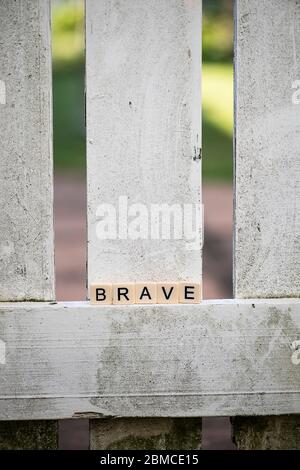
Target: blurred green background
[217, 87]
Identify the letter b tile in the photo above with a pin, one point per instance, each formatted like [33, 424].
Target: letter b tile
[101, 294]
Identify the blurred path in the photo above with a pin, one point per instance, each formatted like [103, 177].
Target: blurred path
[217, 250]
[70, 259]
[70, 237]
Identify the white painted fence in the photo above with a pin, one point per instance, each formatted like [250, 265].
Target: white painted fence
[236, 357]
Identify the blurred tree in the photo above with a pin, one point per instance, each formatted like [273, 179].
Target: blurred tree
[217, 89]
[217, 30]
[68, 84]
[67, 32]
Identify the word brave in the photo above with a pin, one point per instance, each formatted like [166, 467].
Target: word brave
[146, 293]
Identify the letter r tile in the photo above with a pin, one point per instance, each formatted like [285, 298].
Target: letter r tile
[124, 293]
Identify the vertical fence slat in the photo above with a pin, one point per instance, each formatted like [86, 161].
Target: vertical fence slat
[267, 166]
[267, 175]
[26, 225]
[143, 142]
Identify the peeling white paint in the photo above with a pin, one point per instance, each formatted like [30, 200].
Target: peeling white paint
[26, 186]
[210, 359]
[144, 62]
[296, 353]
[2, 92]
[6, 249]
[267, 164]
[2, 352]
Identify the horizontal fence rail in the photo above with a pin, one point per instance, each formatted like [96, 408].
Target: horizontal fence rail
[219, 358]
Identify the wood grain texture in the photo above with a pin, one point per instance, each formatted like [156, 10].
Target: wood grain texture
[26, 224]
[267, 177]
[143, 129]
[217, 358]
[267, 137]
[143, 67]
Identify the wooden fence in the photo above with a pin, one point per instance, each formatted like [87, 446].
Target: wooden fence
[145, 374]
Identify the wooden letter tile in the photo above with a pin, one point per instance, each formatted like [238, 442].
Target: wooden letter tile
[145, 293]
[101, 294]
[124, 293]
[190, 292]
[167, 293]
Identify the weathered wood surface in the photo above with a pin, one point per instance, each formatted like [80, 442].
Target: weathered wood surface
[143, 67]
[213, 359]
[267, 181]
[143, 129]
[267, 136]
[26, 223]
